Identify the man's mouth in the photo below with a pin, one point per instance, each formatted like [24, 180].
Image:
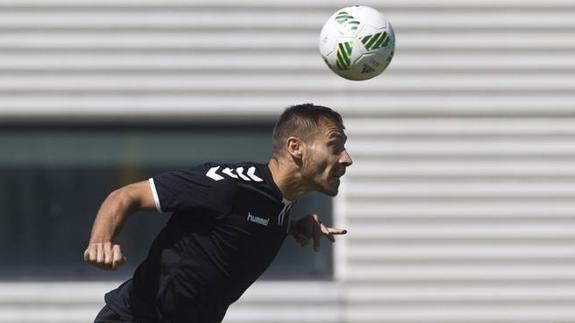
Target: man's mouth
[338, 174]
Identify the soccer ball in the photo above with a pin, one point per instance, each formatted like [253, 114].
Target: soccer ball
[357, 43]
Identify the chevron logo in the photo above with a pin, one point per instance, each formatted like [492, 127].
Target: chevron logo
[250, 174]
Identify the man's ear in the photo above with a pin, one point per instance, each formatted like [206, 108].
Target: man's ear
[295, 148]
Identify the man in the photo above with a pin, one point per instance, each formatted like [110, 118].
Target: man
[228, 222]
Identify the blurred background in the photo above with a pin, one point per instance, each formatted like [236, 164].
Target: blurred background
[460, 205]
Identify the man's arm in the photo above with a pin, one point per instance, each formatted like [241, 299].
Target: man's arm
[101, 251]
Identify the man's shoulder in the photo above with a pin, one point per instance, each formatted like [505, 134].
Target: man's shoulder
[241, 180]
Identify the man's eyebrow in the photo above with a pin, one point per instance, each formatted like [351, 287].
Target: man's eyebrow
[337, 135]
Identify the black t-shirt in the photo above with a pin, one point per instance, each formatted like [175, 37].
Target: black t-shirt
[228, 222]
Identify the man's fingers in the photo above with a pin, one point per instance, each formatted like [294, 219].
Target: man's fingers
[336, 231]
[117, 252]
[326, 233]
[92, 253]
[118, 258]
[310, 229]
[99, 253]
[108, 256]
[330, 232]
[87, 255]
[105, 256]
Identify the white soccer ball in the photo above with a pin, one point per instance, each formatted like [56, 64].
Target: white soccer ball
[357, 43]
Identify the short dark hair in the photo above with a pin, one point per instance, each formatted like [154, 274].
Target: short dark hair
[301, 120]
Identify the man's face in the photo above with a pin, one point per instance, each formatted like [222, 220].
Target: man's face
[326, 158]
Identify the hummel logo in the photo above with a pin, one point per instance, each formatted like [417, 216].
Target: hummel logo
[258, 220]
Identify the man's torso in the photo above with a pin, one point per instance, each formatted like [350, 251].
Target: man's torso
[214, 247]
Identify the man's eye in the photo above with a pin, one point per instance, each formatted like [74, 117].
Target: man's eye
[337, 148]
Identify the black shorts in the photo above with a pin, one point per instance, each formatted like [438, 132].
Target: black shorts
[106, 315]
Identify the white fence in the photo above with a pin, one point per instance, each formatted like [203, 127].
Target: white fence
[460, 205]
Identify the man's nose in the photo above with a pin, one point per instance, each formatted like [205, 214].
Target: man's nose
[346, 159]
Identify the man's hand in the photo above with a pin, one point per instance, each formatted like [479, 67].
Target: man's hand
[104, 256]
[310, 228]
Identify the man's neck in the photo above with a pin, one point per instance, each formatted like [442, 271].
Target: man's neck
[288, 179]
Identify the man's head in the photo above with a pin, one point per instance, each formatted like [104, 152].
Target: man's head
[312, 137]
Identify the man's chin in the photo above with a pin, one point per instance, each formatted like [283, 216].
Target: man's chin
[331, 190]
[332, 193]
[330, 187]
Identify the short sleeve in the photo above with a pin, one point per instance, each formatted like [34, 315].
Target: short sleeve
[191, 189]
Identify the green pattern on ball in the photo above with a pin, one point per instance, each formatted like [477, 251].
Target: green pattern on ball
[375, 41]
[347, 20]
[344, 55]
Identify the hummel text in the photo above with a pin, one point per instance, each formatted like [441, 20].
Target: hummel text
[258, 220]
